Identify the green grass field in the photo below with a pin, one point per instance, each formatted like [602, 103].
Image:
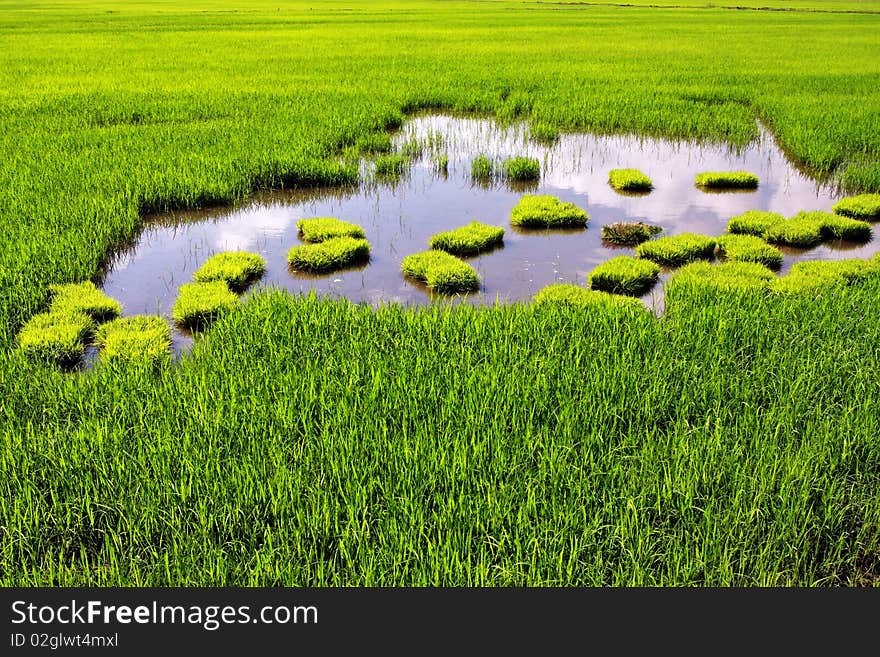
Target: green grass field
[732, 442]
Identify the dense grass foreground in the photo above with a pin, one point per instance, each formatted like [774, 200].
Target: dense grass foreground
[307, 442]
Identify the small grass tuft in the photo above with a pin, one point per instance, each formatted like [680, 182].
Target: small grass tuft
[441, 164]
[198, 304]
[801, 230]
[521, 169]
[837, 227]
[138, 339]
[568, 295]
[467, 240]
[321, 229]
[863, 206]
[814, 275]
[85, 298]
[377, 142]
[236, 268]
[544, 133]
[482, 168]
[725, 277]
[329, 255]
[393, 165]
[753, 222]
[629, 180]
[677, 250]
[749, 248]
[727, 180]
[441, 271]
[544, 211]
[625, 275]
[56, 336]
[626, 233]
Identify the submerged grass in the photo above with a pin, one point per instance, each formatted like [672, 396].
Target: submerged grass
[749, 248]
[140, 339]
[329, 255]
[625, 233]
[629, 180]
[482, 168]
[676, 250]
[237, 269]
[441, 271]
[521, 169]
[468, 240]
[199, 304]
[544, 211]
[320, 229]
[862, 206]
[625, 275]
[393, 165]
[726, 180]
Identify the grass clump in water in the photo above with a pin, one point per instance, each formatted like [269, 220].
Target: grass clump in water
[625, 275]
[441, 271]
[863, 206]
[393, 165]
[629, 233]
[321, 229]
[677, 250]
[56, 336]
[753, 222]
[441, 164]
[521, 169]
[814, 275]
[139, 339]
[801, 230]
[469, 239]
[198, 304]
[544, 133]
[85, 298]
[726, 277]
[329, 255]
[629, 180]
[727, 180]
[835, 226]
[544, 211]
[482, 168]
[573, 296]
[377, 142]
[236, 268]
[749, 248]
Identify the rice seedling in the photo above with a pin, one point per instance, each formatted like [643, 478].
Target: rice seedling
[144, 339]
[726, 277]
[676, 250]
[749, 248]
[544, 211]
[198, 304]
[727, 180]
[58, 337]
[85, 298]
[393, 165]
[813, 276]
[373, 142]
[862, 206]
[468, 240]
[835, 226]
[441, 271]
[329, 255]
[803, 230]
[320, 229]
[629, 180]
[625, 275]
[482, 168]
[568, 295]
[412, 149]
[521, 169]
[544, 133]
[753, 222]
[626, 233]
[236, 268]
[441, 164]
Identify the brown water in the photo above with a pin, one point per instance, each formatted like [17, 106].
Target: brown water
[400, 216]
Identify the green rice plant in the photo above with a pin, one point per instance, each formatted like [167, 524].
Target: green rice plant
[629, 180]
[801, 230]
[236, 268]
[139, 339]
[568, 295]
[320, 229]
[726, 277]
[749, 248]
[198, 304]
[676, 250]
[468, 240]
[544, 133]
[441, 164]
[482, 168]
[329, 255]
[544, 211]
[373, 142]
[58, 337]
[727, 180]
[412, 149]
[629, 233]
[862, 206]
[835, 226]
[393, 165]
[753, 222]
[441, 271]
[812, 276]
[86, 298]
[625, 275]
[521, 168]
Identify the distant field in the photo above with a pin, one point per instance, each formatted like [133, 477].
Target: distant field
[733, 442]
